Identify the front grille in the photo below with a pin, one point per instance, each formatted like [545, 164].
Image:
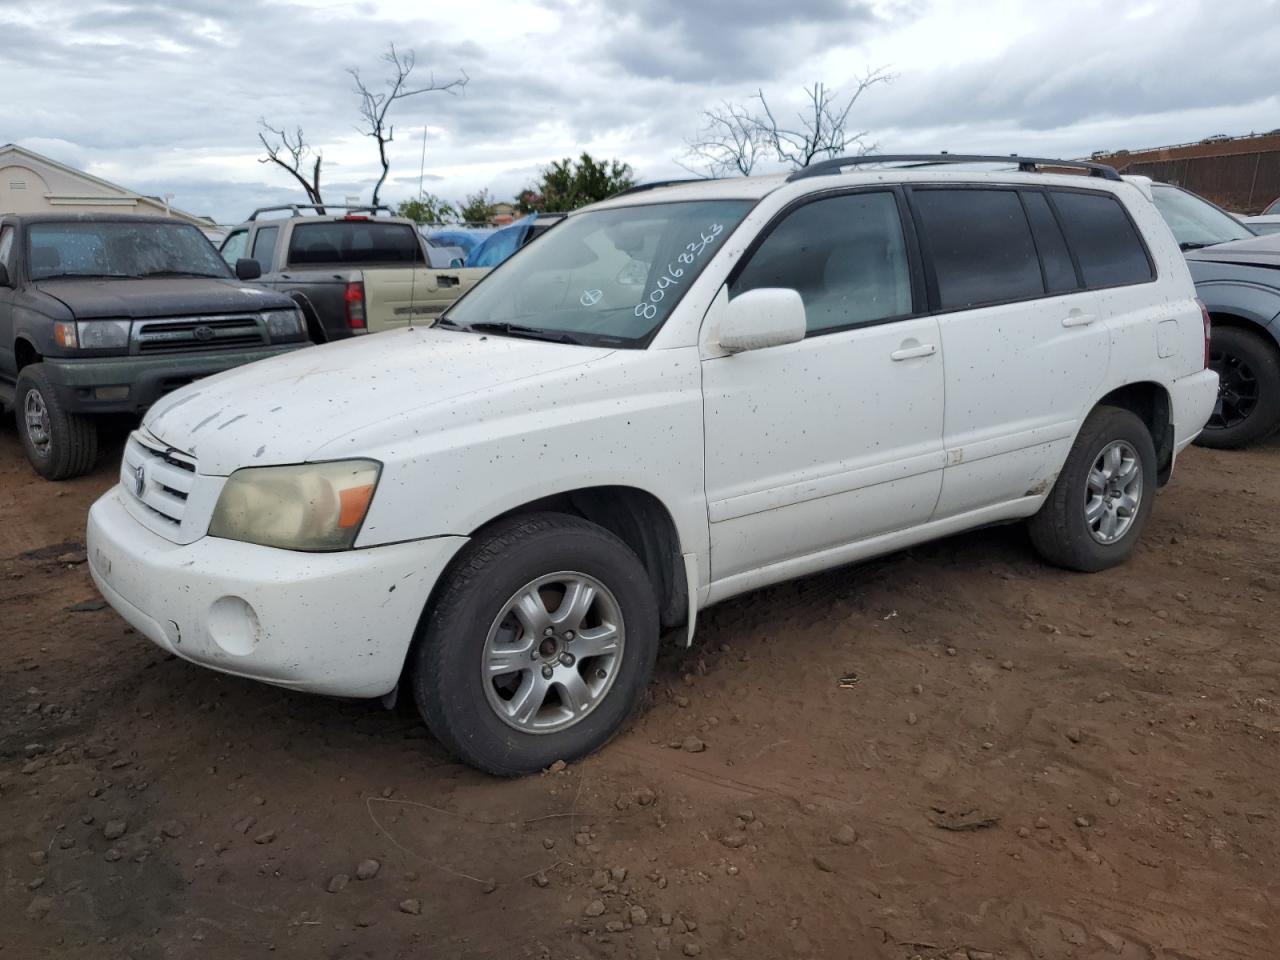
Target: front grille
[190, 334]
[158, 479]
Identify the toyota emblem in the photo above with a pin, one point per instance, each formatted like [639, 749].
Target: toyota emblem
[203, 333]
[140, 480]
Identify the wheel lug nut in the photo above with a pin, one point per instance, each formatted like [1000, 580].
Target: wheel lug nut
[568, 635]
[549, 632]
[547, 673]
[567, 659]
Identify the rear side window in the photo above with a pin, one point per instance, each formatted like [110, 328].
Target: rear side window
[264, 247]
[354, 242]
[1105, 242]
[845, 255]
[981, 246]
[1059, 271]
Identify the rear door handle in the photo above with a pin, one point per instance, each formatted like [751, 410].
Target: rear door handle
[443, 280]
[911, 353]
[1078, 319]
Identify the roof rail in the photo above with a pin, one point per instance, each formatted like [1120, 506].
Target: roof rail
[654, 184]
[1025, 164]
[297, 208]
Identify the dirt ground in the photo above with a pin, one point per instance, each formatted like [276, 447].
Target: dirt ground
[955, 752]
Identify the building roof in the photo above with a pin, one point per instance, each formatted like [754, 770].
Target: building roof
[12, 150]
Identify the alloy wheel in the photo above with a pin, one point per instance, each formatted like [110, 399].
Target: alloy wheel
[1113, 492]
[553, 652]
[36, 415]
[1237, 391]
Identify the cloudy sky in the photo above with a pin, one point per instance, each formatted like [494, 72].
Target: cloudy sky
[165, 97]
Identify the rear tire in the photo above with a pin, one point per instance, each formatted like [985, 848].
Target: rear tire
[508, 673]
[1248, 407]
[1095, 513]
[58, 444]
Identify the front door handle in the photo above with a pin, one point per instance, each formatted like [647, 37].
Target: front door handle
[1077, 319]
[912, 352]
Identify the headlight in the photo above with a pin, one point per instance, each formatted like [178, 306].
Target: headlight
[97, 335]
[311, 506]
[284, 324]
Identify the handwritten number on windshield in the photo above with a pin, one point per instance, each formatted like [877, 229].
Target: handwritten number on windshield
[648, 308]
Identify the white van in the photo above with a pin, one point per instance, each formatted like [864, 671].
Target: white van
[688, 391]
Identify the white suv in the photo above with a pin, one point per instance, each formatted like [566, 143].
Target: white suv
[683, 393]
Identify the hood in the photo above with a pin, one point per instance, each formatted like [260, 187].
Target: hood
[285, 409]
[1263, 251]
[148, 297]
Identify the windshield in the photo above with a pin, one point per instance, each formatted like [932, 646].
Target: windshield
[120, 249]
[1196, 222]
[606, 277]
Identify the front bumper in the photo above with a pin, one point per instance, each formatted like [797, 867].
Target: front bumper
[331, 623]
[146, 378]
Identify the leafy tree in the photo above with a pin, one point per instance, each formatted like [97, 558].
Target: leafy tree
[566, 185]
[478, 208]
[427, 209]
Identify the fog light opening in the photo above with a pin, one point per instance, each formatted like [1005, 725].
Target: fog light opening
[234, 626]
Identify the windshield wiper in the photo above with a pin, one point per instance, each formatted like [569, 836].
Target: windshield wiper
[1194, 245]
[82, 276]
[181, 273]
[518, 330]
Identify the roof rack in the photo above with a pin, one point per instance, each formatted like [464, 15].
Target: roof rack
[297, 208]
[1025, 164]
[654, 184]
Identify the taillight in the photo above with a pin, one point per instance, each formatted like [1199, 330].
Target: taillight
[353, 297]
[1208, 329]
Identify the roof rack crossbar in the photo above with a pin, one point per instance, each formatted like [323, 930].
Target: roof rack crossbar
[1024, 164]
[297, 208]
[655, 184]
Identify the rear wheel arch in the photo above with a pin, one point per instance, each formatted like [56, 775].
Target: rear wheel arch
[1151, 403]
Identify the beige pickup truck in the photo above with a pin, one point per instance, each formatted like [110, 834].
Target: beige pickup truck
[395, 297]
[351, 270]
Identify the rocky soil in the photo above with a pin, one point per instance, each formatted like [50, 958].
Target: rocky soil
[955, 753]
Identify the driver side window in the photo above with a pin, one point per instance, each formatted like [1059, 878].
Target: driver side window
[6, 251]
[847, 257]
[233, 247]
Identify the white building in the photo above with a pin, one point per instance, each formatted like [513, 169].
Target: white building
[31, 183]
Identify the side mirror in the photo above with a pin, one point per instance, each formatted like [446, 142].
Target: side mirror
[767, 317]
[4, 276]
[456, 262]
[248, 269]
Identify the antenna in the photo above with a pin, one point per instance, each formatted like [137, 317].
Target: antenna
[413, 276]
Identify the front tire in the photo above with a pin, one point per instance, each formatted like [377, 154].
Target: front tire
[539, 646]
[1248, 407]
[1095, 513]
[59, 445]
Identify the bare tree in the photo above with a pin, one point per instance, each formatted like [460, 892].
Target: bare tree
[735, 137]
[822, 130]
[730, 141]
[375, 104]
[290, 151]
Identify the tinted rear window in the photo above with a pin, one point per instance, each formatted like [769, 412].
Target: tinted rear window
[981, 246]
[1105, 242]
[1059, 272]
[354, 242]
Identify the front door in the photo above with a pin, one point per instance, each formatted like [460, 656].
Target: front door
[837, 438]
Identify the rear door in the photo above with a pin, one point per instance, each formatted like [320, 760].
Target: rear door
[396, 296]
[1025, 348]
